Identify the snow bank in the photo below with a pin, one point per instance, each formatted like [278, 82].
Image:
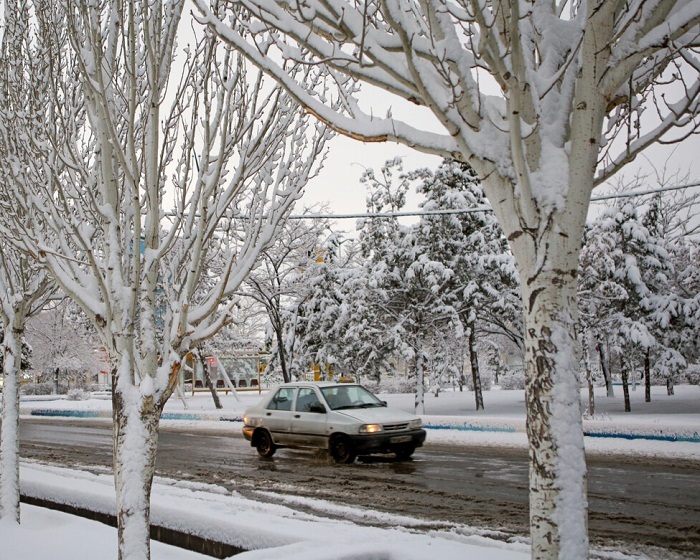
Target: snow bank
[267, 530]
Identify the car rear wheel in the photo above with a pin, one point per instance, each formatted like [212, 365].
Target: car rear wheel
[342, 450]
[404, 452]
[264, 444]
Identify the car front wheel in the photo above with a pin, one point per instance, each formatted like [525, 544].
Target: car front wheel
[404, 452]
[264, 444]
[342, 450]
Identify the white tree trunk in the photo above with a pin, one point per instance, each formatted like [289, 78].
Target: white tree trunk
[558, 502]
[9, 436]
[136, 422]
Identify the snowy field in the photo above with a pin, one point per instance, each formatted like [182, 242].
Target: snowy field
[278, 531]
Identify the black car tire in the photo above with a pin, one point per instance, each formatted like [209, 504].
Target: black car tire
[342, 450]
[264, 444]
[404, 452]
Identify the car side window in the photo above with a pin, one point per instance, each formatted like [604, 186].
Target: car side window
[306, 399]
[282, 400]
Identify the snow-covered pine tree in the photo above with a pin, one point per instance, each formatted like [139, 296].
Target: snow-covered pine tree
[413, 287]
[628, 296]
[673, 321]
[471, 244]
[345, 319]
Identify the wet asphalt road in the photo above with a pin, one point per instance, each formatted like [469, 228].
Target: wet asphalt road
[637, 505]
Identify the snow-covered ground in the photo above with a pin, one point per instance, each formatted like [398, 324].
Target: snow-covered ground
[668, 426]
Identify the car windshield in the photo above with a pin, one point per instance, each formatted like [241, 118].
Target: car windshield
[349, 396]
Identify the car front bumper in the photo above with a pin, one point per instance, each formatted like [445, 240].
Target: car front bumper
[387, 442]
[248, 432]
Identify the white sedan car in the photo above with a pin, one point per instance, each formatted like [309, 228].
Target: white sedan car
[346, 419]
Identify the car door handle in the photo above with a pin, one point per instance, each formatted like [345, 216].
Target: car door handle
[297, 416]
[268, 414]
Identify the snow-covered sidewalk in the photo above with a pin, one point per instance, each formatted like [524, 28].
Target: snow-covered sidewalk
[266, 530]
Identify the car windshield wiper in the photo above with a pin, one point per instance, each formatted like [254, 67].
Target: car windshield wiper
[358, 405]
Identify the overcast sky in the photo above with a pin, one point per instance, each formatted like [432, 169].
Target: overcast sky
[339, 182]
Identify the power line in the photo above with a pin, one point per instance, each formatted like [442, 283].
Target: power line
[643, 193]
[389, 214]
[471, 210]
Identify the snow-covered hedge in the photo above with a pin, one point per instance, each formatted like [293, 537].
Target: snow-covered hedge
[403, 385]
[44, 384]
[371, 385]
[42, 389]
[486, 380]
[47, 388]
[78, 395]
[394, 385]
[692, 374]
[513, 380]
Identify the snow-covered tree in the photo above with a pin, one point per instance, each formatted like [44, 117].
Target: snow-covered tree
[419, 289]
[470, 243]
[24, 289]
[545, 100]
[670, 310]
[147, 178]
[407, 285]
[628, 292]
[277, 283]
[673, 218]
[344, 320]
[336, 322]
[61, 342]
[24, 286]
[356, 312]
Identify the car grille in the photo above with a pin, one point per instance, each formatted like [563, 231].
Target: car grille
[395, 427]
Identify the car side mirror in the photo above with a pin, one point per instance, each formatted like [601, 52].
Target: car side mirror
[318, 408]
[384, 403]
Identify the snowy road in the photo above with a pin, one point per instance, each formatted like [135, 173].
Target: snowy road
[635, 504]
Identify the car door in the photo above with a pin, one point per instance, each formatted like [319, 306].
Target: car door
[309, 420]
[277, 415]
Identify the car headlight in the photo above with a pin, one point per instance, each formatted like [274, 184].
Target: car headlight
[250, 421]
[371, 428]
[415, 424]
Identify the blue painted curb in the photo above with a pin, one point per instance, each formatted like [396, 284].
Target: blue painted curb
[695, 438]
[69, 413]
[468, 428]
[180, 416]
